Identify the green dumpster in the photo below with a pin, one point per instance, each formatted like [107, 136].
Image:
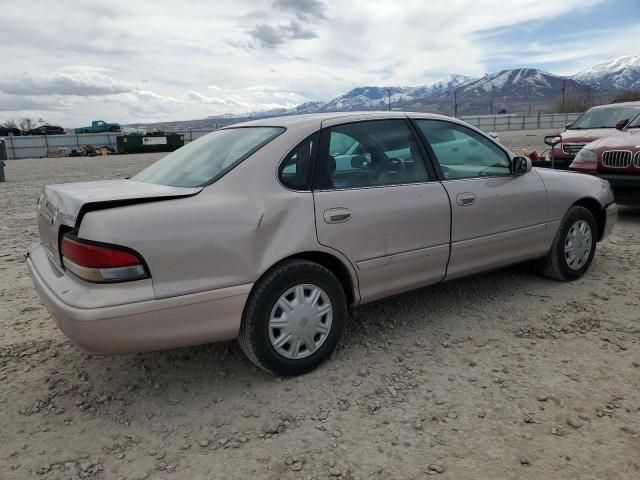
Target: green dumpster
[136, 143]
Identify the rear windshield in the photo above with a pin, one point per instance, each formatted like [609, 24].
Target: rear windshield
[206, 159]
[604, 117]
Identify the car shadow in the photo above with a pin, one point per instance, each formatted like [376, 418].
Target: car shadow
[629, 213]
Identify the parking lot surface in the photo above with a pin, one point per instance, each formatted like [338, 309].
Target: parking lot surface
[501, 375]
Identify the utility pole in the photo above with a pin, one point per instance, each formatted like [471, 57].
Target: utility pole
[588, 96]
[389, 98]
[564, 94]
[455, 103]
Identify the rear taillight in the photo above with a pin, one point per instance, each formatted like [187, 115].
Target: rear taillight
[101, 263]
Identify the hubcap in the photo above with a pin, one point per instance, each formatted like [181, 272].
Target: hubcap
[577, 245]
[300, 321]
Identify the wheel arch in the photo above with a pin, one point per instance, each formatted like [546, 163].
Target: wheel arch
[597, 210]
[332, 263]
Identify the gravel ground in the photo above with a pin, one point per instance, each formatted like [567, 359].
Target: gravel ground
[501, 375]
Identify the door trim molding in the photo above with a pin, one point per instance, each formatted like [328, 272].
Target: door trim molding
[496, 237]
[402, 256]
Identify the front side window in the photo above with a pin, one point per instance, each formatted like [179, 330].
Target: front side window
[463, 153]
[208, 158]
[372, 153]
[295, 169]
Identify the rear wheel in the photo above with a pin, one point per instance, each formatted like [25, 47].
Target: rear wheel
[573, 247]
[294, 318]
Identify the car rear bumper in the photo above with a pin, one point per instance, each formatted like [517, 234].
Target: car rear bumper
[626, 188]
[136, 326]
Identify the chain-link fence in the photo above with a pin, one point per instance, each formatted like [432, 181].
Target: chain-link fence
[502, 123]
[40, 146]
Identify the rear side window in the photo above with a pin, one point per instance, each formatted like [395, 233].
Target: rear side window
[206, 159]
[295, 169]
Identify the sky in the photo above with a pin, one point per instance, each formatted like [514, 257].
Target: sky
[70, 62]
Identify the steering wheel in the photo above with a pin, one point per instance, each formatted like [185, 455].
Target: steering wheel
[394, 165]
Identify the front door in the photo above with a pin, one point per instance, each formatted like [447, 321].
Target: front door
[378, 205]
[497, 217]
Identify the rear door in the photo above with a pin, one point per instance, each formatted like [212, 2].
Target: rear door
[379, 205]
[497, 217]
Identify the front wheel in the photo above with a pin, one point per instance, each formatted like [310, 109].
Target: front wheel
[573, 247]
[294, 318]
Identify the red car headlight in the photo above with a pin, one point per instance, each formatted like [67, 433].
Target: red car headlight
[586, 161]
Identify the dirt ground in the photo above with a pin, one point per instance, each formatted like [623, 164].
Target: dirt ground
[505, 375]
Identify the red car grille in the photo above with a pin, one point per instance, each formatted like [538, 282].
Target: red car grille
[572, 148]
[617, 159]
[636, 160]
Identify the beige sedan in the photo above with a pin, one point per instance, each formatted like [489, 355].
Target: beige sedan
[271, 230]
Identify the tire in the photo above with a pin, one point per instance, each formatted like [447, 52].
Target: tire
[556, 264]
[259, 336]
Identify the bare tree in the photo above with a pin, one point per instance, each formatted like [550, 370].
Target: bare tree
[629, 96]
[11, 123]
[570, 105]
[26, 123]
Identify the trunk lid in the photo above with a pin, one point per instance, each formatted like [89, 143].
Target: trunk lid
[62, 206]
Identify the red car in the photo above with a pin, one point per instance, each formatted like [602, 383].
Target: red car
[595, 123]
[615, 158]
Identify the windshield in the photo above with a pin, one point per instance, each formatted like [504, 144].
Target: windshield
[604, 117]
[635, 123]
[206, 159]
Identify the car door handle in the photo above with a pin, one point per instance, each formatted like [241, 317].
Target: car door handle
[466, 198]
[337, 215]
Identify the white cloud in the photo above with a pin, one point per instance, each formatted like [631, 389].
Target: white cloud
[76, 80]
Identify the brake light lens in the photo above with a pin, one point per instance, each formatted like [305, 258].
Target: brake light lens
[101, 263]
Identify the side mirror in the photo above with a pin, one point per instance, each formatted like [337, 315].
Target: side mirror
[521, 165]
[568, 126]
[359, 162]
[552, 140]
[620, 124]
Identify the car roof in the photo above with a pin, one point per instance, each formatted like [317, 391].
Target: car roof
[317, 119]
[617, 104]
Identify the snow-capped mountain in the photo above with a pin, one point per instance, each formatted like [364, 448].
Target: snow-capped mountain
[372, 98]
[309, 107]
[519, 82]
[623, 73]
[450, 82]
[367, 98]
